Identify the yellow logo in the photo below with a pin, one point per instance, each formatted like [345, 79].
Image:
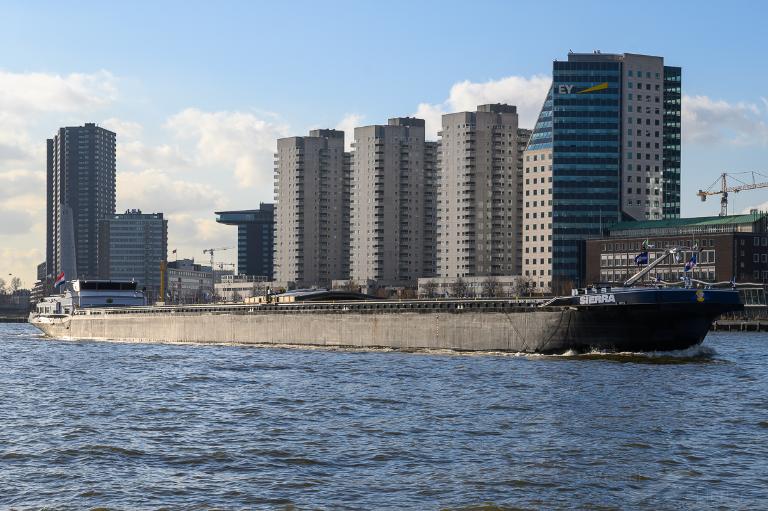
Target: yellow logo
[599, 86]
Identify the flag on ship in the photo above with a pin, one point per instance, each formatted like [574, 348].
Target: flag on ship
[59, 280]
[691, 264]
[641, 258]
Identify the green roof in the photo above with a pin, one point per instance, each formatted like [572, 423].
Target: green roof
[688, 222]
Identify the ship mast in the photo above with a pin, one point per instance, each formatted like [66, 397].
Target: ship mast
[642, 273]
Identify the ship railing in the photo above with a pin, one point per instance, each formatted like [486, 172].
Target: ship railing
[350, 306]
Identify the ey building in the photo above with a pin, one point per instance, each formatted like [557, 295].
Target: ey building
[80, 193]
[133, 246]
[392, 206]
[479, 190]
[605, 149]
[311, 204]
[255, 238]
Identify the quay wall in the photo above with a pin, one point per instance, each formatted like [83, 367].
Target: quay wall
[464, 331]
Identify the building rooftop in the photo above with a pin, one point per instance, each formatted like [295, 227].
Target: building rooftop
[264, 213]
[730, 223]
[688, 222]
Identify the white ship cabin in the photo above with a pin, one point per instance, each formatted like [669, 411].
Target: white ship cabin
[93, 293]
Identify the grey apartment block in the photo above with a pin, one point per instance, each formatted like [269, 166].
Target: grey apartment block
[80, 176]
[392, 204]
[311, 200]
[479, 193]
[133, 246]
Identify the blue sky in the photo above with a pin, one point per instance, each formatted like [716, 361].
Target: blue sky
[198, 91]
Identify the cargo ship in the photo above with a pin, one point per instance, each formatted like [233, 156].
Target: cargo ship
[626, 319]
[621, 319]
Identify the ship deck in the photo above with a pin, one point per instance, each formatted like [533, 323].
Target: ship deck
[368, 306]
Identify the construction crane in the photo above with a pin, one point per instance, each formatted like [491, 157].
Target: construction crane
[724, 189]
[213, 251]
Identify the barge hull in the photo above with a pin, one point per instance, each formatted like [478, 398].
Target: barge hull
[551, 330]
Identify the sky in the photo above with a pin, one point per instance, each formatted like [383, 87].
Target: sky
[198, 92]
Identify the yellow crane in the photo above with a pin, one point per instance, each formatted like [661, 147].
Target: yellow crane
[724, 189]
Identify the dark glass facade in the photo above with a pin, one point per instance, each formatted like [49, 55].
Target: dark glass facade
[541, 138]
[255, 238]
[586, 143]
[671, 138]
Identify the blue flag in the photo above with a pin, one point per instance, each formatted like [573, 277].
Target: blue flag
[691, 264]
[641, 258]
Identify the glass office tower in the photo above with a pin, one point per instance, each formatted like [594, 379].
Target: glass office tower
[255, 238]
[605, 148]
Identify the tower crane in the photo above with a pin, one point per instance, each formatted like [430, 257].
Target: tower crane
[725, 189]
[213, 251]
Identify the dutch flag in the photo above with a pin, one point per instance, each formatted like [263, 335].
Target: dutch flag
[59, 280]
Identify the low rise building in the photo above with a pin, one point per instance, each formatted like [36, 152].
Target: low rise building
[188, 282]
[237, 288]
[475, 287]
[727, 247]
[43, 285]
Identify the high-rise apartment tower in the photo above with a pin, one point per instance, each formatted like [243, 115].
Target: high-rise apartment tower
[81, 179]
[392, 204]
[478, 193]
[311, 199]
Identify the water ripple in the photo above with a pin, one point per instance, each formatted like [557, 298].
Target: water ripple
[136, 426]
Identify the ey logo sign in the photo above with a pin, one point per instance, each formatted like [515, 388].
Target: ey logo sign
[569, 89]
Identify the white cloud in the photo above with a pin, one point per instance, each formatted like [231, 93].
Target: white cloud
[527, 94]
[153, 190]
[348, 124]
[15, 182]
[191, 234]
[20, 262]
[22, 93]
[708, 121]
[15, 221]
[126, 130]
[760, 207]
[135, 156]
[238, 142]
[22, 205]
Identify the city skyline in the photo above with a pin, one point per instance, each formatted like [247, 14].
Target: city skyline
[197, 122]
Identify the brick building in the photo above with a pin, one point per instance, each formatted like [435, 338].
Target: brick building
[729, 246]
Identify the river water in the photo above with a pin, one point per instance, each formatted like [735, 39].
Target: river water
[141, 426]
